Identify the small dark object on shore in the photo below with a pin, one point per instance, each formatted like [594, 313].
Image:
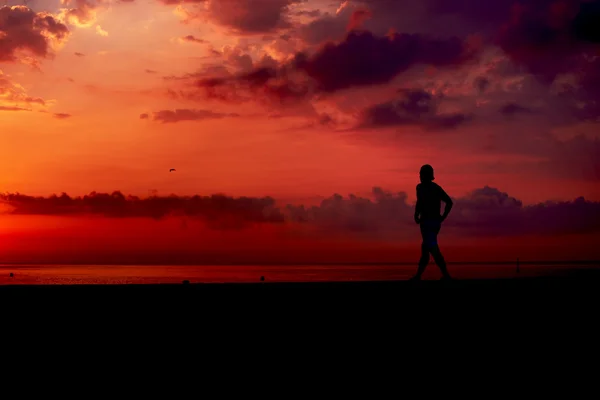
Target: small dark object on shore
[186, 282]
[11, 275]
[262, 278]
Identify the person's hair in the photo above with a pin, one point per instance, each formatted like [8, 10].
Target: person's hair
[427, 172]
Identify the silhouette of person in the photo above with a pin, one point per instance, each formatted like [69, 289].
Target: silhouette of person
[427, 215]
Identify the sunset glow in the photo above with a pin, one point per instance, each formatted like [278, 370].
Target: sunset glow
[319, 113]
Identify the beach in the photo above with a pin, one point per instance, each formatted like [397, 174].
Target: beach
[357, 321]
[546, 288]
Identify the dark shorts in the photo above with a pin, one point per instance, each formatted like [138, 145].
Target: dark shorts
[429, 232]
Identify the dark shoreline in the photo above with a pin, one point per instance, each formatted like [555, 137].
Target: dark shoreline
[550, 289]
[469, 316]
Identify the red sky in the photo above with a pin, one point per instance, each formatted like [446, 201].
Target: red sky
[300, 100]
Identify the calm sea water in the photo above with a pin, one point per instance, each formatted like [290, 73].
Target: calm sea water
[124, 274]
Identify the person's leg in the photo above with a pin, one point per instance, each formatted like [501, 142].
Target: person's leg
[424, 260]
[437, 254]
[439, 260]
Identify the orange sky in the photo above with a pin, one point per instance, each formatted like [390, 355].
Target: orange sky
[114, 65]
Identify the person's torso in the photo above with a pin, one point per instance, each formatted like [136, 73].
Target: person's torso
[430, 199]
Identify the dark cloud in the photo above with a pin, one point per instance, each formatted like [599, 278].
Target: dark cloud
[553, 38]
[483, 212]
[193, 39]
[481, 83]
[386, 212]
[514, 108]
[23, 29]
[362, 59]
[365, 59]
[144, 116]
[586, 24]
[79, 54]
[62, 116]
[486, 211]
[541, 37]
[547, 37]
[219, 211]
[250, 16]
[412, 107]
[13, 108]
[169, 116]
[429, 17]
[150, 71]
[243, 16]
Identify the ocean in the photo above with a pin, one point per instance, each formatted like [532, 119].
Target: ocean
[152, 274]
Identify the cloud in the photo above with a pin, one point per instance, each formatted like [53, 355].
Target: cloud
[9, 108]
[365, 59]
[357, 19]
[308, 13]
[428, 17]
[361, 60]
[412, 107]
[554, 38]
[23, 30]
[244, 17]
[14, 97]
[488, 211]
[150, 71]
[192, 39]
[547, 38]
[79, 54]
[485, 211]
[218, 210]
[178, 2]
[169, 116]
[62, 116]
[250, 16]
[481, 83]
[83, 15]
[101, 31]
[514, 108]
[144, 116]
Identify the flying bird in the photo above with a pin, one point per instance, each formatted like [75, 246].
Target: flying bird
[172, 169]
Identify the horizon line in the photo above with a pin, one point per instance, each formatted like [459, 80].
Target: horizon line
[265, 264]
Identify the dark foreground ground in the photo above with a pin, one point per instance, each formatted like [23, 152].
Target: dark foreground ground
[378, 302]
[513, 330]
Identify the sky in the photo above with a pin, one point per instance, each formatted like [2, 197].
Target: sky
[296, 124]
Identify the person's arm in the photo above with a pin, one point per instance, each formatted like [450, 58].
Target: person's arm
[448, 201]
[418, 207]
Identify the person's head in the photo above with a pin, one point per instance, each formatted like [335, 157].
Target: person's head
[426, 173]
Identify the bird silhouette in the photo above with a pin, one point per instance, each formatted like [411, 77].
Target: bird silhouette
[172, 169]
